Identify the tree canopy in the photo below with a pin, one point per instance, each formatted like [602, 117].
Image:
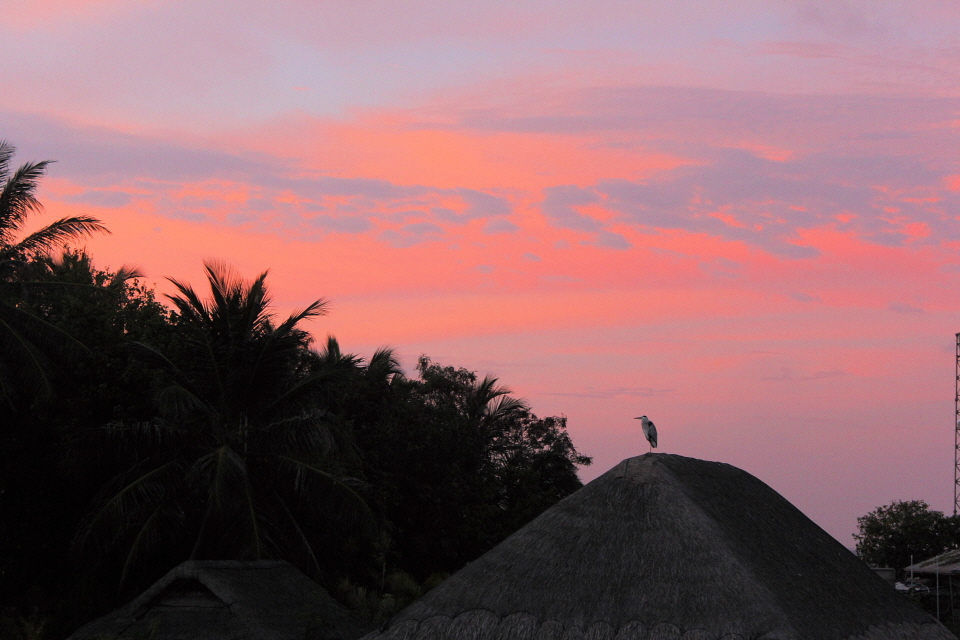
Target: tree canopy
[135, 435]
[30, 347]
[902, 532]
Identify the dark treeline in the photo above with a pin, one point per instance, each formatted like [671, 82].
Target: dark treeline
[136, 434]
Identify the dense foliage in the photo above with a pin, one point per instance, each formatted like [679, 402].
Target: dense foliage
[892, 535]
[135, 435]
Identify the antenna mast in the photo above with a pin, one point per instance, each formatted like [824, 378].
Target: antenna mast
[956, 435]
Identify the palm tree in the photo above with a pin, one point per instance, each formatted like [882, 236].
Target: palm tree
[17, 202]
[489, 404]
[29, 346]
[237, 462]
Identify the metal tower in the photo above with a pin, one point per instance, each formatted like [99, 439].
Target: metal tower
[956, 436]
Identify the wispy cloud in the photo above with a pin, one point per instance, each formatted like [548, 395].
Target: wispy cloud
[620, 392]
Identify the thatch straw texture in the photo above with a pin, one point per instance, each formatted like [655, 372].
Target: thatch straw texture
[666, 547]
[228, 600]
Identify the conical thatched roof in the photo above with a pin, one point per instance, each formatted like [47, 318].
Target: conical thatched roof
[229, 600]
[661, 547]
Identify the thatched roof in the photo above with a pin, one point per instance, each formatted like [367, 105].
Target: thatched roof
[947, 562]
[659, 547]
[229, 600]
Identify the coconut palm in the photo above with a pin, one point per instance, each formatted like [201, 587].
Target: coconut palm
[17, 202]
[237, 462]
[489, 404]
[29, 346]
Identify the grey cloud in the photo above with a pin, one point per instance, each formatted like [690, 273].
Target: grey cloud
[500, 225]
[740, 196]
[484, 205]
[413, 234]
[94, 158]
[902, 307]
[880, 159]
[612, 240]
[259, 204]
[789, 375]
[322, 186]
[559, 203]
[98, 156]
[478, 205]
[723, 267]
[640, 392]
[423, 228]
[340, 224]
[101, 198]
[651, 108]
[243, 218]
[445, 214]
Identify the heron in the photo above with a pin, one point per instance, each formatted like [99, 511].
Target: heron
[649, 431]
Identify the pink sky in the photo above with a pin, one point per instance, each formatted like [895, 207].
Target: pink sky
[740, 218]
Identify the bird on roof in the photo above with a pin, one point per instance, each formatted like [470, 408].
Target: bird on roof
[649, 431]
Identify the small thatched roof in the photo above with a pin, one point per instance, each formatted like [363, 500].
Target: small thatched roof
[947, 562]
[660, 547]
[229, 600]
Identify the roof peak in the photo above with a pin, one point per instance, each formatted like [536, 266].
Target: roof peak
[685, 542]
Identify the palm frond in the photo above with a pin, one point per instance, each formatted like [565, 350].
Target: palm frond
[253, 522]
[119, 512]
[189, 305]
[222, 477]
[303, 550]
[7, 151]
[234, 301]
[331, 351]
[319, 307]
[29, 345]
[336, 496]
[302, 387]
[307, 433]
[384, 365]
[17, 200]
[155, 532]
[487, 389]
[220, 470]
[505, 406]
[124, 274]
[130, 438]
[53, 235]
[22, 365]
[179, 403]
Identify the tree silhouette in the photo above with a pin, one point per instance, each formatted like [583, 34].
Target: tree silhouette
[238, 463]
[17, 202]
[29, 346]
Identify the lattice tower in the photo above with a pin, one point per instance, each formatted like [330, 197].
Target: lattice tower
[956, 435]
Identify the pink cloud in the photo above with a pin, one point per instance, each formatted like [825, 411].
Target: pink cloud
[607, 222]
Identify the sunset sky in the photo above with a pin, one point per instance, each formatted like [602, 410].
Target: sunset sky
[741, 218]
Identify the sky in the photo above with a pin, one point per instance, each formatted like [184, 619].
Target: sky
[740, 218]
